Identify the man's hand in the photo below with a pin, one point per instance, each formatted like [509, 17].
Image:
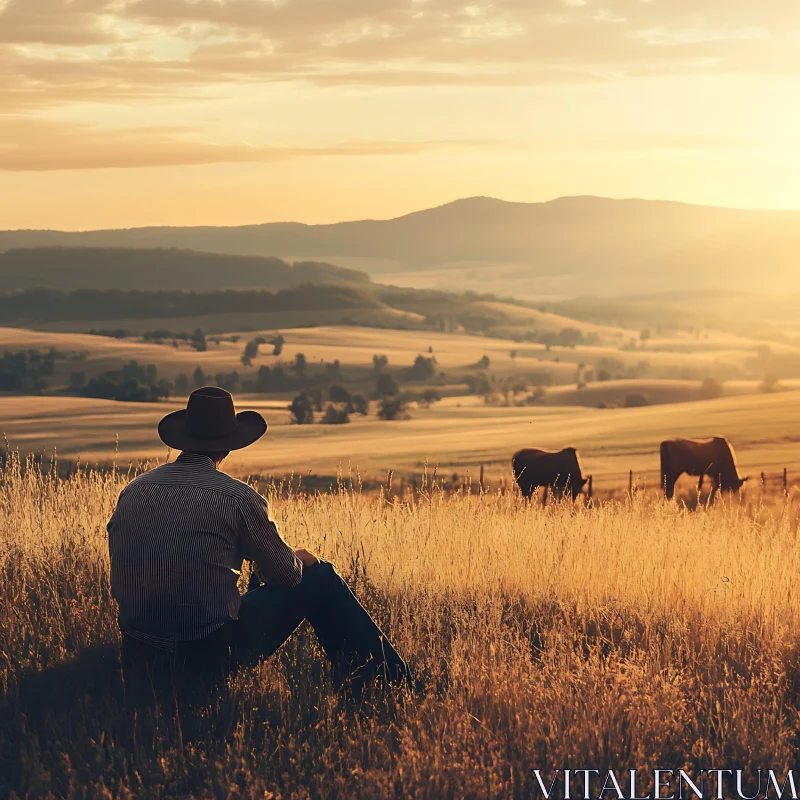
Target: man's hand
[308, 559]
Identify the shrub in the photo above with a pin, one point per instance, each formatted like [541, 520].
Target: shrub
[379, 363]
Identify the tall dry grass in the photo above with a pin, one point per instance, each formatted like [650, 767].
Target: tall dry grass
[627, 635]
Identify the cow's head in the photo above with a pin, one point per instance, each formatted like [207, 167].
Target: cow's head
[733, 482]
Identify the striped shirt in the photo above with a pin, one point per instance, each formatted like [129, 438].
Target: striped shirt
[177, 539]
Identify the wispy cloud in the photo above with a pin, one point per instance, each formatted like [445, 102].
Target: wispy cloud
[57, 51]
[37, 146]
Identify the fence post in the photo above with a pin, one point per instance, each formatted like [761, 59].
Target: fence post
[481, 483]
[591, 486]
[763, 480]
[785, 479]
[630, 484]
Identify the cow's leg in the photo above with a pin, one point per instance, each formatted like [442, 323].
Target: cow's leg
[714, 491]
[669, 486]
[700, 483]
[544, 495]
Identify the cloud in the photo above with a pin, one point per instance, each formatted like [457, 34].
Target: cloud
[60, 51]
[29, 145]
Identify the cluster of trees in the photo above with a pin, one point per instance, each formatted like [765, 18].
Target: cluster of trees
[138, 383]
[251, 349]
[88, 304]
[25, 370]
[335, 408]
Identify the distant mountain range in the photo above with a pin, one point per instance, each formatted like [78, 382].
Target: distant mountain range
[566, 247]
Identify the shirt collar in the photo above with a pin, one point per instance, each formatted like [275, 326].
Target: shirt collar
[195, 459]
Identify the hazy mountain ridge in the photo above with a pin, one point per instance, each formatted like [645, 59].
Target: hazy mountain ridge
[158, 269]
[589, 243]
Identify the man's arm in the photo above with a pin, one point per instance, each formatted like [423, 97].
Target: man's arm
[262, 543]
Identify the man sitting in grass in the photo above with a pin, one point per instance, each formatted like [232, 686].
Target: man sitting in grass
[177, 539]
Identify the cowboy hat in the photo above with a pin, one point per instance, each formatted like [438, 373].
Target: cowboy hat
[209, 423]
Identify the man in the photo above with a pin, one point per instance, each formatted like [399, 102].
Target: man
[177, 539]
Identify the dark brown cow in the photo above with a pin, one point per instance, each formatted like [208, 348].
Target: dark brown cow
[700, 457]
[558, 470]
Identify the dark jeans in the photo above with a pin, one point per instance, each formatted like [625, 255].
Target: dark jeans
[269, 615]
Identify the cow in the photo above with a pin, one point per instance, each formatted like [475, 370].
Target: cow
[700, 457]
[558, 470]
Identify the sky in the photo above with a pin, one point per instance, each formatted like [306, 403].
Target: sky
[120, 113]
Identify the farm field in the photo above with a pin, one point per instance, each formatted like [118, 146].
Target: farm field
[679, 357]
[764, 429]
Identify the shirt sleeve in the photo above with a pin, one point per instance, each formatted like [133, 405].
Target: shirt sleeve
[262, 543]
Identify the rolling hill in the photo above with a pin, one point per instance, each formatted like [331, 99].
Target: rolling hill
[565, 247]
[158, 269]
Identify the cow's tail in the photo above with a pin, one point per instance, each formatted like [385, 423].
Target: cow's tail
[666, 471]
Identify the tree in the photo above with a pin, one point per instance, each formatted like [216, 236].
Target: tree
[379, 363]
[228, 380]
[198, 341]
[422, 369]
[77, 380]
[301, 410]
[300, 365]
[199, 377]
[393, 408]
[360, 405]
[386, 385]
[483, 362]
[182, 383]
[277, 344]
[335, 415]
[334, 368]
[338, 394]
[429, 397]
[316, 399]
[250, 352]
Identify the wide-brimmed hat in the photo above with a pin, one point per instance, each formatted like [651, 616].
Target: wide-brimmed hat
[209, 423]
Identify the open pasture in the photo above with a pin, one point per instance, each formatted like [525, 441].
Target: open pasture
[630, 634]
[764, 430]
[679, 357]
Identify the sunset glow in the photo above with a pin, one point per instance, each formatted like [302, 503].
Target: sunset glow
[132, 112]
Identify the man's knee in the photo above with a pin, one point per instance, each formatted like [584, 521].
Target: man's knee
[321, 577]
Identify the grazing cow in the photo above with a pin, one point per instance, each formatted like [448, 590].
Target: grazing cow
[559, 471]
[700, 457]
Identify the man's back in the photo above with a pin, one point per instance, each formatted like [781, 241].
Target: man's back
[176, 541]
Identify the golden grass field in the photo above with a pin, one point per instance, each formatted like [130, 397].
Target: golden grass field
[632, 635]
[764, 429]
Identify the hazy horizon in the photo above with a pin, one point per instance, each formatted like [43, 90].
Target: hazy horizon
[429, 207]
